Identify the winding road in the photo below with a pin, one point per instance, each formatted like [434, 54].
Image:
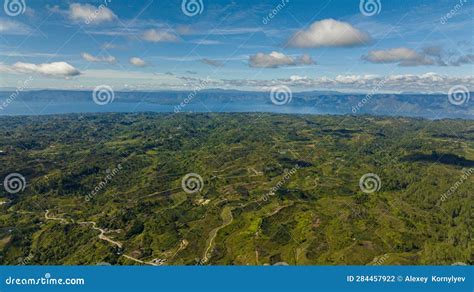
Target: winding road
[102, 236]
[227, 219]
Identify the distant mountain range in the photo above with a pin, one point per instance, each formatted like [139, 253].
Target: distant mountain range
[432, 106]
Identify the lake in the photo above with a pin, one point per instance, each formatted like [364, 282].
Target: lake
[48, 108]
[19, 107]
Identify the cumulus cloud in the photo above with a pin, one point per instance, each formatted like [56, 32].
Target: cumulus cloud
[276, 59]
[90, 13]
[329, 33]
[155, 36]
[137, 62]
[432, 55]
[54, 69]
[89, 58]
[428, 82]
[211, 62]
[402, 56]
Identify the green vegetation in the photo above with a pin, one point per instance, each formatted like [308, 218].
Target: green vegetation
[276, 188]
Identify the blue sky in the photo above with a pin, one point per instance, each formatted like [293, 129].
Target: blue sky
[405, 45]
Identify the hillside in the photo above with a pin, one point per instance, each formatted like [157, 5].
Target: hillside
[236, 189]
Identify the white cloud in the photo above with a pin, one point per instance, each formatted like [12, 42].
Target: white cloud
[402, 56]
[297, 77]
[54, 69]
[276, 59]
[139, 80]
[90, 13]
[329, 33]
[428, 82]
[431, 55]
[109, 59]
[154, 35]
[135, 61]
[27, 54]
[11, 27]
